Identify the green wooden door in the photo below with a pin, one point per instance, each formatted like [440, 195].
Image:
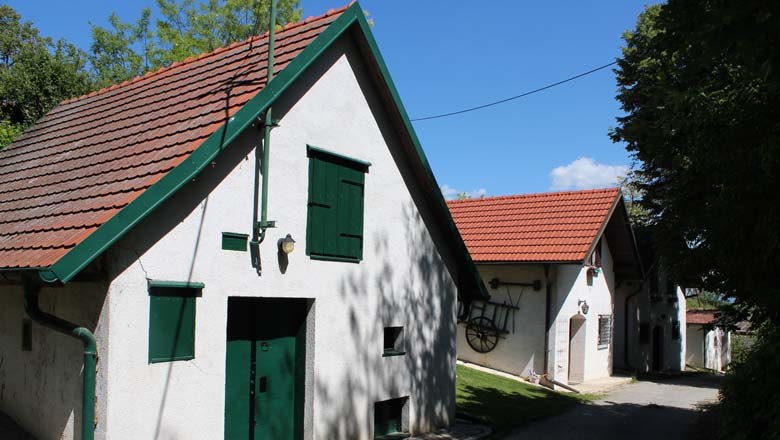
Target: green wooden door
[263, 373]
[275, 388]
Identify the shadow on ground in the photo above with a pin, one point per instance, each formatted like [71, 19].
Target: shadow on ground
[690, 379]
[608, 420]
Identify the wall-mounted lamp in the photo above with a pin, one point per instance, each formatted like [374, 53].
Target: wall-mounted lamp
[583, 306]
[287, 244]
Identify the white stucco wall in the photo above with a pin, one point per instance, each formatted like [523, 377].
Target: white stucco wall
[522, 349]
[656, 314]
[571, 287]
[708, 347]
[41, 388]
[695, 345]
[402, 279]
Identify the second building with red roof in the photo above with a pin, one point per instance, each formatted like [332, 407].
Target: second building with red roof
[560, 267]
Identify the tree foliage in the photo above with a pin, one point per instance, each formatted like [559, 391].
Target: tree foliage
[36, 73]
[186, 28]
[699, 82]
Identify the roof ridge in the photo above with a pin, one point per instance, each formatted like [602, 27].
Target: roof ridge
[549, 193]
[193, 58]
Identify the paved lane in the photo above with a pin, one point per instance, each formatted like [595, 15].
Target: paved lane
[650, 410]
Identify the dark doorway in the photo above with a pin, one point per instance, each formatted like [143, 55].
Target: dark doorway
[264, 371]
[658, 348]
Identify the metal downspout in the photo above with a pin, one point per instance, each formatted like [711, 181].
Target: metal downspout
[625, 326]
[31, 291]
[625, 312]
[259, 228]
[547, 320]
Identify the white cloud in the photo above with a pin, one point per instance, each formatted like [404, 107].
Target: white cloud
[451, 193]
[586, 173]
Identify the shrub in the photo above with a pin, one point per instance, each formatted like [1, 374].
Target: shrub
[751, 388]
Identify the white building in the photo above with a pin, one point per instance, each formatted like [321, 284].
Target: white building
[133, 212]
[554, 263]
[651, 318]
[708, 346]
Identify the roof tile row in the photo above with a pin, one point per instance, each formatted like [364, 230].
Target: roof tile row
[90, 156]
[559, 226]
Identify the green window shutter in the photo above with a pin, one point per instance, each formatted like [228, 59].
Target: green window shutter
[335, 210]
[350, 211]
[172, 323]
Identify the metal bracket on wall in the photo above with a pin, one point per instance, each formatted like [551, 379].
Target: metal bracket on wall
[495, 283]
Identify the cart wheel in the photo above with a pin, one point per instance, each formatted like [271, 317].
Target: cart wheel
[481, 334]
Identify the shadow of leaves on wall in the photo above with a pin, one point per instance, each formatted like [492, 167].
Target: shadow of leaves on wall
[423, 302]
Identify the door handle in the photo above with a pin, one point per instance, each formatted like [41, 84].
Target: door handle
[263, 385]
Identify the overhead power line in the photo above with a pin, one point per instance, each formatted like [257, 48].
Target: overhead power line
[549, 86]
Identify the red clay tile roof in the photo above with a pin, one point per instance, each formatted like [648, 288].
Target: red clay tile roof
[701, 316]
[90, 156]
[557, 226]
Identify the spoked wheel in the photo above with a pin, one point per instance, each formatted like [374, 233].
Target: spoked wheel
[481, 334]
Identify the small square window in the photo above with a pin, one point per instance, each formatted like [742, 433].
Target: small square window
[172, 321]
[26, 335]
[394, 341]
[389, 418]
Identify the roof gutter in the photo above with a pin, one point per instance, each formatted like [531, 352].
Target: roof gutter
[32, 288]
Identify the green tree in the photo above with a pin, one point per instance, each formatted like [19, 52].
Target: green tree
[185, 28]
[699, 82]
[121, 51]
[36, 73]
[632, 196]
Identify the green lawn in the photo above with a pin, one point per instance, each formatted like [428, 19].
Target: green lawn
[506, 403]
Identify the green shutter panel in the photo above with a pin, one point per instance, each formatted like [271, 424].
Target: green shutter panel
[172, 326]
[321, 205]
[350, 224]
[335, 209]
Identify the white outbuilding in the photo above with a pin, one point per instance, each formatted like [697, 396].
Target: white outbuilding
[212, 251]
[554, 263]
[709, 345]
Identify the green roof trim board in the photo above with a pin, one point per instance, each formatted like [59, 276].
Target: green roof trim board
[78, 257]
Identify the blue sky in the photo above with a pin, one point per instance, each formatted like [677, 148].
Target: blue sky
[448, 55]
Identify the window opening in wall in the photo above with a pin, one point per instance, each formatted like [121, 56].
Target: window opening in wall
[394, 341]
[644, 332]
[334, 225]
[172, 320]
[26, 335]
[605, 330]
[390, 419]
